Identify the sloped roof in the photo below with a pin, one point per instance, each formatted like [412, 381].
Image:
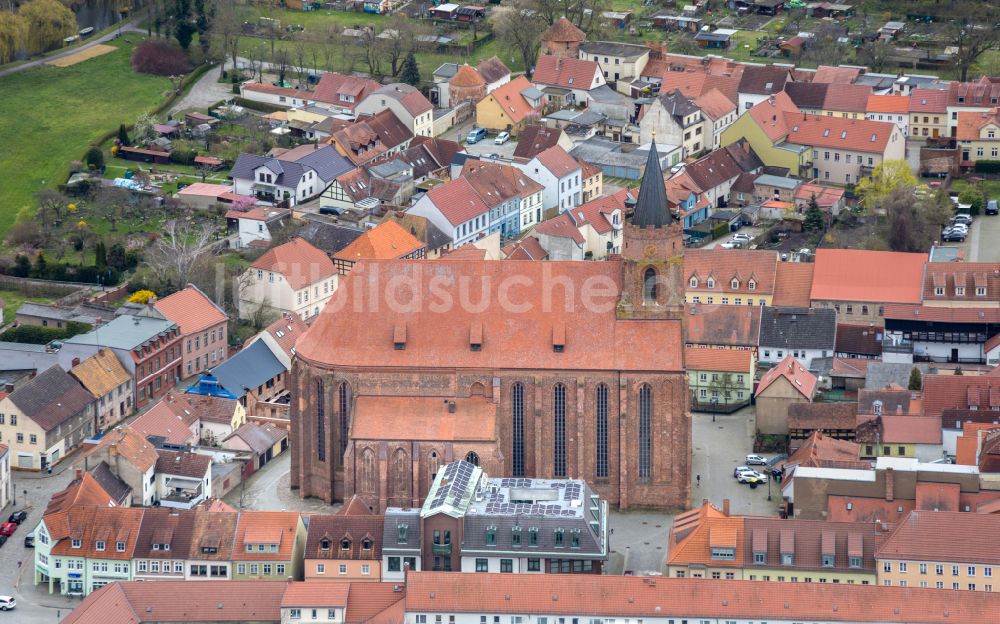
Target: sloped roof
[807, 94]
[763, 79]
[568, 73]
[792, 284]
[726, 264]
[299, 262]
[802, 380]
[193, 465]
[534, 139]
[770, 116]
[457, 200]
[731, 326]
[928, 101]
[859, 339]
[510, 100]
[714, 104]
[466, 76]
[191, 309]
[840, 75]
[384, 241]
[558, 161]
[492, 69]
[328, 237]
[409, 96]
[728, 360]
[51, 398]
[249, 368]
[286, 331]
[130, 444]
[170, 418]
[849, 98]
[651, 209]
[100, 373]
[970, 123]
[561, 226]
[945, 536]
[888, 104]
[331, 85]
[528, 248]
[798, 328]
[861, 135]
[563, 31]
[260, 438]
[871, 276]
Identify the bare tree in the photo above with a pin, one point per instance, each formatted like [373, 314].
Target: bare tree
[227, 28]
[585, 14]
[179, 250]
[371, 50]
[901, 235]
[399, 39]
[280, 64]
[51, 204]
[973, 34]
[300, 62]
[518, 28]
[875, 54]
[111, 205]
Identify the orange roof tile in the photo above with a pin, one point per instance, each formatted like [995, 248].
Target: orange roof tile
[563, 31]
[730, 360]
[510, 100]
[316, 593]
[85, 492]
[861, 135]
[899, 104]
[191, 309]
[385, 241]
[423, 418]
[300, 263]
[285, 331]
[714, 104]
[558, 161]
[872, 276]
[171, 418]
[970, 124]
[945, 536]
[851, 98]
[841, 75]
[802, 380]
[130, 444]
[770, 115]
[101, 373]
[725, 264]
[561, 226]
[368, 600]
[792, 284]
[266, 527]
[731, 326]
[357, 335]
[928, 101]
[466, 76]
[457, 200]
[568, 73]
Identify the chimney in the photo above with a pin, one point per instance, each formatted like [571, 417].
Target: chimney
[899, 410]
[890, 483]
[76, 361]
[451, 407]
[704, 501]
[79, 474]
[725, 506]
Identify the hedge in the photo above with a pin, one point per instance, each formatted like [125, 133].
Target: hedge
[988, 166]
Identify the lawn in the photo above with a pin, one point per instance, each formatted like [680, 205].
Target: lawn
[12, 300]
[54, 113]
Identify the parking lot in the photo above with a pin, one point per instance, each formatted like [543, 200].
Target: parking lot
[981, 244]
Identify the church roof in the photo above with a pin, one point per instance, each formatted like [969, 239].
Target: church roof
[651, 207]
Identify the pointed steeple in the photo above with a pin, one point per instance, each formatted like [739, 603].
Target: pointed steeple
[651, 206]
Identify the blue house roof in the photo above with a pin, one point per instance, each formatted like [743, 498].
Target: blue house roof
[246, 370]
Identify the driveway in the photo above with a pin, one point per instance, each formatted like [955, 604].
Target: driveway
[207, 91]
[981, 245]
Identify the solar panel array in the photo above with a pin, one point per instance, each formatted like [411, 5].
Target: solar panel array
[456, 478]
[518, 483]
[572, 492]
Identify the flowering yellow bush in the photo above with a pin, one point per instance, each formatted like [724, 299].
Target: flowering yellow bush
[71, 207]
[81, 225]
[141, 296]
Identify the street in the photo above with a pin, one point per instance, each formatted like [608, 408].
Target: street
[981, 245]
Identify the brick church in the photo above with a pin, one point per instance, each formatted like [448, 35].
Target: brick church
[533, 369]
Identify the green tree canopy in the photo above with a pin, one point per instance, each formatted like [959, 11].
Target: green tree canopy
[47, 23]
[886, 176]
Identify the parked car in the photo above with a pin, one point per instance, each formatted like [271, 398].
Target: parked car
[29, 541]
[7, 603]
[502, 138]
[739, 469]
[751, 476]
[952, 235]
[739, 236]
[18, 517]
[756, 460]
[962, 218]
[992, 208]
[475, 136]
[328, 210]
[8, 528]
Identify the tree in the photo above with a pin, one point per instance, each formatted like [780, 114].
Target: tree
[972, 34]
[584, 14]
[183, 28]
[398, 39]
[160, 57]
[122, 135]
[915, 379]
[875, 54]
[13, 35]
[934, 212]
[178, 251]
[814, 221]
[898, 206]
[280, 63]
[41, 268]
[517, 28]
[100, 255]
[94, 158]
[886, 176]
[958, 370]
[410, 73]
[22, 266]
[227, 28]
[46, 24]
[371, 50]
[141, 296]
[144, 131]
[202, 22]
[117, 258]
[974, 198]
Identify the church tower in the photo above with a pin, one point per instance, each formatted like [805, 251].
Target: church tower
[652, 250]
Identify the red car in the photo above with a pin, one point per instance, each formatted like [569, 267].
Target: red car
[8, 528]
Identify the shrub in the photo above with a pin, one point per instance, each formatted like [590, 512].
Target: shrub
[183, 156]
[94, 158]
[141, 296]
[160, 57]
[35, 334]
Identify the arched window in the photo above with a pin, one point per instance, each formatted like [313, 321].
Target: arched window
[645, 432]
[369, 473]
[649, 285]
[472, 458]
[434, 464]
[559, 434]
[517, 413]
[344, 400]
[400, 474]
[320, 422]
[602, 431]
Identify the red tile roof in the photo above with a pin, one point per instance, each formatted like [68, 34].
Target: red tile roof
[423, 418]
[941, 314]
[871, 276]
[300, 263]
[563, 31]
[859, 135]
[266, 527]
[849, 98]
[928, 101]
[316, 593]
[859, 339]
[171, 418]
[730, 326]
[457, 201]
[558, 161]
[978, 93]
[510, 100]
[840, 75]
[637, 597]
[770, 115]
[285, 331]
[943, 392]
[694, 84]
[332, 85]
[534, 139]
[945, 536]
[792, 284]
[408, 96]
[802, 380]
[714, 104]
[725, 264]
[357, 336]
[528, 248]
[897, 104]
[826, 196]
[191, 309]
[366, 601]
[970, 124]
[568, 73]
[967, 275]
[561, 226]
[727, 360]
[385, 241]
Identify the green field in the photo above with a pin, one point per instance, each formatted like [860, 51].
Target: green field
[12, 300]
[52, 114]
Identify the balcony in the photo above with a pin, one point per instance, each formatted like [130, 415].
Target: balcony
[441, 549]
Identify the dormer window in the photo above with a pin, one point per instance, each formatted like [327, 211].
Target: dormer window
[515, 536]
[101, 545]
[710, 283]
[491, 536]
[345, 544]
[877, 408]
[366, 544]
[980, 291]
[249, 547]
[827, 561]
[559, 537]
[401, 531]
[721, 552]
[752, 285]
[960, 291]
[694, 282]
[939, 291]
[120, 546]
[735, 283]
[76, 543]
[324, 544]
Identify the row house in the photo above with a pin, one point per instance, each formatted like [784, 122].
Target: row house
[386, 241]
[929, 113]
[46, 419]
[720, 377]
[568, 79]
[256, 378]
[760, 82]
[104, 377]
[514, 200]
[473, 598]
[346, 546]
[590, 231]
[84, 547]
[146, 343]
[472, 523]
[675, 119]
[371, 138]
[621, 63]
[730, 276]
[203, 324]
[341, 94]
[941, 550]
[560, 175]
[807, 334]
[709, 543]
[860, 284]
[714, 174]
[978, 96]
[406, 103]
[892, 108]
[510, 107]
[978, 135]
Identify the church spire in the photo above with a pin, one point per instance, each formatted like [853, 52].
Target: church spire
[651, 206]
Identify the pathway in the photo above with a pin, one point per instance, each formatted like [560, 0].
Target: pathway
[207, 91]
